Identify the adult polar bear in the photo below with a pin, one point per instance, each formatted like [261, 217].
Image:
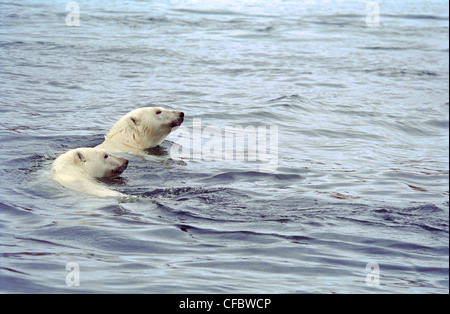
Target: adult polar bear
[78, 169]
[141, 129]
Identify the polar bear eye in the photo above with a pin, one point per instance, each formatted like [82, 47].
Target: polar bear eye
[106, 156]
[158, 112]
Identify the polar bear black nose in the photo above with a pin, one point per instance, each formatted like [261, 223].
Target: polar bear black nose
[181, 114]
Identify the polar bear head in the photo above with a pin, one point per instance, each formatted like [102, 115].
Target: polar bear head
[79, 168]
[142, 129]
[90, 162]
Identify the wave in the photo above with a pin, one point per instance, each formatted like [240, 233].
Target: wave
[417, 17]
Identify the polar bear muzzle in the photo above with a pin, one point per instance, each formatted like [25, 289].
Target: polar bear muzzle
[177, 122]
[121, 168]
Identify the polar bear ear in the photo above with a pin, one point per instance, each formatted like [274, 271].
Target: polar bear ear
[134, 122]
[79, 157]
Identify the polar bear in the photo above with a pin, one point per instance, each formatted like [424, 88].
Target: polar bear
[78, 169]
[141, 129]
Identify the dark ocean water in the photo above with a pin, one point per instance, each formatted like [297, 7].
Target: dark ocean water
[358, 175]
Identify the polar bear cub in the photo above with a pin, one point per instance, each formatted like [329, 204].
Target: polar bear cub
[78, 169]
[142, 129]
